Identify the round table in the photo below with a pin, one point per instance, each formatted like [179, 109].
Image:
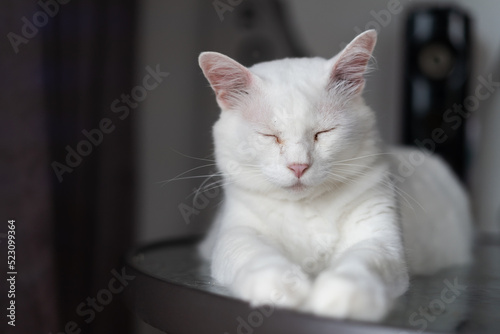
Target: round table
[172, 291]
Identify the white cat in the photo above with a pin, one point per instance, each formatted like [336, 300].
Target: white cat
[313, 216]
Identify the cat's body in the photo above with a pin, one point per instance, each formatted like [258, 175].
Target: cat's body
[313, 215]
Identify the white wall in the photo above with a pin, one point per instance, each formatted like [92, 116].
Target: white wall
[167, 36]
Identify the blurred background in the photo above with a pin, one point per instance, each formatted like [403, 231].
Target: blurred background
[103, 104]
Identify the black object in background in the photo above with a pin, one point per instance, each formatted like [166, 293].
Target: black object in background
[437, 67]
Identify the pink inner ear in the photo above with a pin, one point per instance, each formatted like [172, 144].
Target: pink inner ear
[347, 75]
[229, 79]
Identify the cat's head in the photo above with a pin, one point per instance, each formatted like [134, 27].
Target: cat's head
[290, 128]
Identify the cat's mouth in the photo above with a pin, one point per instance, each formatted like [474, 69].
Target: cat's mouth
[298, 186]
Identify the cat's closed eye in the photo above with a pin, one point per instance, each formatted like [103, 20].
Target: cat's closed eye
[316, 135]
[278, 140]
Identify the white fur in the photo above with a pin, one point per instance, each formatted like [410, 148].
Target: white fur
[332, 242]
[436, 217]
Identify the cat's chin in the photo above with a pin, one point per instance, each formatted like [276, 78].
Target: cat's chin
[297, 187]
[299, 191]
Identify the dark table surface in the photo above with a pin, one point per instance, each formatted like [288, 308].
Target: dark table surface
[173, 291]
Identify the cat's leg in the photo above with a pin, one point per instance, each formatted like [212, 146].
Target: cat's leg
[368, 271]
[255, 270]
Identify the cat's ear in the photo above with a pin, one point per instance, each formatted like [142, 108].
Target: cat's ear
[230, 80]
[349, 67]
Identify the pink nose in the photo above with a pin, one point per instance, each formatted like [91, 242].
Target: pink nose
[298, 169]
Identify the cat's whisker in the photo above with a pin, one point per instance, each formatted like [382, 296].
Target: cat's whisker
[203, 186]
[341, 178]
[179, 176]
[227, 179]
[405, 195]
[351, 165]
[401, 193]
[185, 178]
[366, 156]
[220, 184]
[191, 157]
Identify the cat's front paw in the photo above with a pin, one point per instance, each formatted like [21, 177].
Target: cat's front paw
[348, 296]
[282, 285]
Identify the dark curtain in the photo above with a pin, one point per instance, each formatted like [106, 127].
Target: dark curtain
[67, 161]
[25, 190]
